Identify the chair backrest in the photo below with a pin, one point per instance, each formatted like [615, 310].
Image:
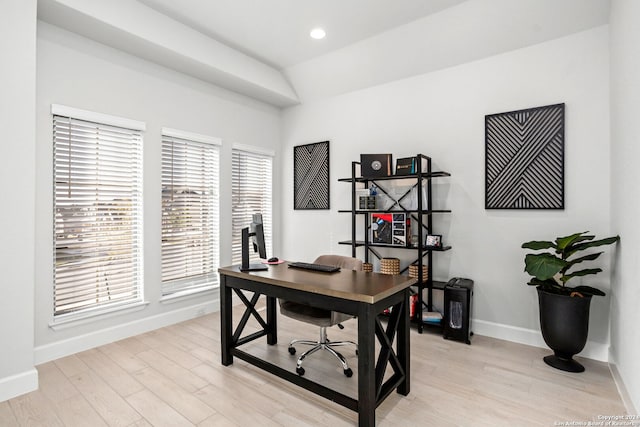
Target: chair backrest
[345, 262]
[298, 310]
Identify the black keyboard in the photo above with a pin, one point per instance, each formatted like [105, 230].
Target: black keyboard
[314, 267]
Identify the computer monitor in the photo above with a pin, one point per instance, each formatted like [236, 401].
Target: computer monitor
[255, 232]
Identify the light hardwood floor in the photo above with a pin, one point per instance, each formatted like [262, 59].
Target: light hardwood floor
[173, 377]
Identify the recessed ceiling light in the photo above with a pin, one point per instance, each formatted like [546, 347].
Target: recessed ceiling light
[317, 33]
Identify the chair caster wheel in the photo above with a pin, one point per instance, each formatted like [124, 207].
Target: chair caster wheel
[348, 372]
[300, 371]
[292, 350]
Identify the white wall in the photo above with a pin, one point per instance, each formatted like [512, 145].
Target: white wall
[77, 72]
[17, 109]
[441, 114]
[625, 206]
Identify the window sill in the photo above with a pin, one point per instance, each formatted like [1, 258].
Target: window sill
[183, 295]
[71, 320]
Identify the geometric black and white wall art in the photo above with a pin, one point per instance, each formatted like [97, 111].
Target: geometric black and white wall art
[311, 176]
[524, 159]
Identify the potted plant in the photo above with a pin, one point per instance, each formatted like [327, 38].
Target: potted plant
[564, 310]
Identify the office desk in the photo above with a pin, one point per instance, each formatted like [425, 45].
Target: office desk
[361, 294]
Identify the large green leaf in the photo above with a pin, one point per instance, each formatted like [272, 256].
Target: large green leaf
[573, 262]
[564, 242]
[579, 273]
[543, 266]
[592, 244]
[538, 245]
[548, 285]
[589, 257]
[544, 283]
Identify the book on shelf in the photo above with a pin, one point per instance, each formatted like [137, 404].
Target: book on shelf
[406, 166]
[432, 317]
[391, 228]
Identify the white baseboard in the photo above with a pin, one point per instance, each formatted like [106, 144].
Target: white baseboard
[16, 385]
[592, 350]
[622, 389]
[53, 351]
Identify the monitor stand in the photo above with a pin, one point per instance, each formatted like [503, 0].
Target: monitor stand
[245, 266]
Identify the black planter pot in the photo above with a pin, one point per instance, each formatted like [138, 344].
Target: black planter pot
[564, 322]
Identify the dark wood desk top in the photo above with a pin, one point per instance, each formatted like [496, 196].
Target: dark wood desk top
[347, 284]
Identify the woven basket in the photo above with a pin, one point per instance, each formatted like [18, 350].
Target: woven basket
[367, 266]
[413, 271]
[390, 266]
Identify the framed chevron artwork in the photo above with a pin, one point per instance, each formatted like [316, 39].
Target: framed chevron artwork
[524, 159]
[311, 176]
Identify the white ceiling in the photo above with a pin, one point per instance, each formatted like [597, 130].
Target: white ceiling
[277, 31]
[262, 48]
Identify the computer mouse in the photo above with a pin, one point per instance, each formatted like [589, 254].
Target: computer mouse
[273, 259]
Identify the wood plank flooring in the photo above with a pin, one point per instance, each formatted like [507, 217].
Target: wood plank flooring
[173, 377]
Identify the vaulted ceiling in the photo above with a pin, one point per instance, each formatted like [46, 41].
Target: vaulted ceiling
[262, 48]
[277, 31]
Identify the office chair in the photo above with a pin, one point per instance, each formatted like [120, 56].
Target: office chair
[321, 317]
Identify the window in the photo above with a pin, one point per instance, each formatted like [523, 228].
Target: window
[98, 211]
[190, 214]
[252, 172]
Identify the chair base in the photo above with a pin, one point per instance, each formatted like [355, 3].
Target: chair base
[322, 344]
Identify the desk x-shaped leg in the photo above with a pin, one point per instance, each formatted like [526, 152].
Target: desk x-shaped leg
[232, 339]
[387, 355]
[372, 388]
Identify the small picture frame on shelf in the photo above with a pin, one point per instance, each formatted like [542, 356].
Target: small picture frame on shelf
[433, 241]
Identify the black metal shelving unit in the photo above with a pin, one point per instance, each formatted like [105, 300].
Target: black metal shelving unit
[422, 216]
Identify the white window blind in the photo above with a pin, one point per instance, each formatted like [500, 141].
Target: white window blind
[98, 216]
[190, 215]
[251, 193]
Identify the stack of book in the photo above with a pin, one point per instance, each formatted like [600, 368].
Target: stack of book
[432, 317]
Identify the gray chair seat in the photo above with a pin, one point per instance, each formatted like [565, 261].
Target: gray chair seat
[314, 315]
